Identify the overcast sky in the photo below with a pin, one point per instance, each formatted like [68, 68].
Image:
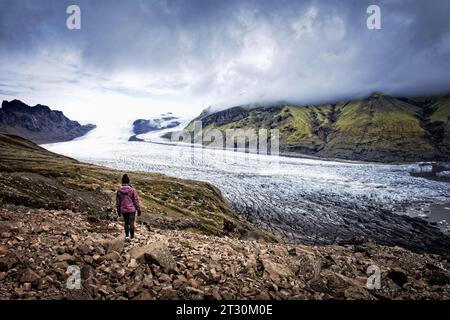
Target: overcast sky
[145, 56]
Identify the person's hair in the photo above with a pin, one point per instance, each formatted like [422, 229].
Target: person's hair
[125, 179]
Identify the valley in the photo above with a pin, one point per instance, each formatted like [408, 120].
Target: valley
[301, 200]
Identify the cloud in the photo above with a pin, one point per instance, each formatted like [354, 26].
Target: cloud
[196, 53]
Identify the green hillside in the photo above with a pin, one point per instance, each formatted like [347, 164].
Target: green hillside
[440, 122]
[378, 128]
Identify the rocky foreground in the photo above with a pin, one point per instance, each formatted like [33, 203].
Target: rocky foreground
[37, 246]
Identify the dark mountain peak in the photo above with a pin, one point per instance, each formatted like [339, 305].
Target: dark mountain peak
[139, 121]
[39, 123]
[377, 95]
[41, 107]
[382, 101]
[19, 106]
[12, 102]
[14, 105]
[225, 116]
[142, 126]
[206, 111]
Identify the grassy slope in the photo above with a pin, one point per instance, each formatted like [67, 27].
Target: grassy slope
[379, 128]
[441, 116]
[303, 130]
[33, 176]
[295, 124]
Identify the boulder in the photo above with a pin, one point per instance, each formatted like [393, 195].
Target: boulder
[6, 226]
[156, 253]
[168, 293]
[84, 249]
[357, 293]
[179, 282]
[98, 258]
[6, 235]
[120, 273]
[27, 286]
[114, 245]
[164, 278]
[8, 262]
[190, 293]
[213, 294]
[113, 255]
[29, 276]
[144, 295]
[399, 277]
[88, 259]
[275, 271]
[3, 250]
[308, 267]
[86, 272]
[438, 278]
[228, 225]
[133, 264]
[263, 295]
[65, 257]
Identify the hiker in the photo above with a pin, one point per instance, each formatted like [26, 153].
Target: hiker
[127, 204]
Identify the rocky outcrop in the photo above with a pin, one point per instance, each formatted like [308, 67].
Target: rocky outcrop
[39, 250]
[157, 253]
[39, 124]
[141, 126]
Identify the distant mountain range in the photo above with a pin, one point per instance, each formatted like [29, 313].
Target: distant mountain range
[378, 128]
[39, 124]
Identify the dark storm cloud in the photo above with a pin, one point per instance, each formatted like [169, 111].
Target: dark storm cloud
[240, 51]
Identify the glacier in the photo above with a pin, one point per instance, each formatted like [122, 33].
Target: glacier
[302, 200]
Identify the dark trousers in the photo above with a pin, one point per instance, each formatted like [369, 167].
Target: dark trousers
[129, 223]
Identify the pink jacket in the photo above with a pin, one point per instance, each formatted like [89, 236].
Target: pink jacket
[127, 200]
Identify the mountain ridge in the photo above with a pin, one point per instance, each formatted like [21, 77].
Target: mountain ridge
[39, 124]
[378, 128]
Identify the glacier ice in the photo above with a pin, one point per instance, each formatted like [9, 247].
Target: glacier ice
[300, 199]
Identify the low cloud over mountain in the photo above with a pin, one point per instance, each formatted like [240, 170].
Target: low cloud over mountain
[194, 53]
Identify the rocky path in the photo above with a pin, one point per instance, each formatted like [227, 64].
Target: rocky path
[38, 246]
